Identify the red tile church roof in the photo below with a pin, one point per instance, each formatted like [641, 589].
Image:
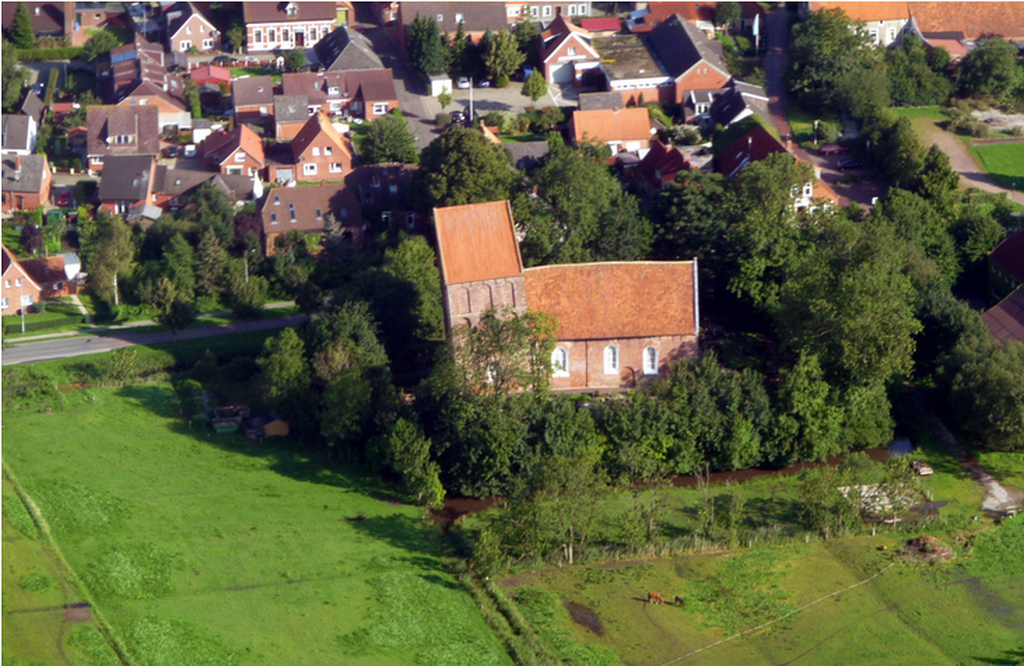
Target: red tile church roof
[477, 242]
[610, 300]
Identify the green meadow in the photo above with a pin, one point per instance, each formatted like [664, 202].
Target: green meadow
[203, 549]
[1004, 162]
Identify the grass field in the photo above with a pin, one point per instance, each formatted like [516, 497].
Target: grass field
[1003, 162]
[935, 112]
[205, 549]
[802, 124]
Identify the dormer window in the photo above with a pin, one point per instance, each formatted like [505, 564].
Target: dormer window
[292, 9]
[333, 90]
[459, 18]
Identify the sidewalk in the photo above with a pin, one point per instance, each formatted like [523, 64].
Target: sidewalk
[130, 325]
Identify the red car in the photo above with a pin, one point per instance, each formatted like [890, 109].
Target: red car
[63, 199]
[833, 149]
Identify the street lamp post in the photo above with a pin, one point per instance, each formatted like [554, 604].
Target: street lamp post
[21, 304]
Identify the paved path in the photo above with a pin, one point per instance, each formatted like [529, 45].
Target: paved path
[277, 305]
[961, 159]
[93, 344]
[998, 498]
[81, 308]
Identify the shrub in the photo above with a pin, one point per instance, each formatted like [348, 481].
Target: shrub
[442, 120]
[37, 582]
[501, 81]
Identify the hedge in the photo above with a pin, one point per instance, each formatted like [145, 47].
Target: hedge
[64, 53]
[51, 86]
[32, 327]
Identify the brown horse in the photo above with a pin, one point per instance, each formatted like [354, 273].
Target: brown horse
[680, 602]
[655, 598]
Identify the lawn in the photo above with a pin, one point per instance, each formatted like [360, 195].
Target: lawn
[12, 238]
[206, 549]
[1003, 162]
[802, 124]
[936, 112]
[59, 316]
[273, 72]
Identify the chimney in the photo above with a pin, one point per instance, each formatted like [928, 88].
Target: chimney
[17, 164]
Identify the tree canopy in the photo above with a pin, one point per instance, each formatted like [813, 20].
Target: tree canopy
[426, 50]
[825, 48]
[462, 167]
[389, 140]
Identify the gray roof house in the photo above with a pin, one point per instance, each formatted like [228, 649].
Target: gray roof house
[680, 45]
[346, 50]
[19, 135]
[126, 180]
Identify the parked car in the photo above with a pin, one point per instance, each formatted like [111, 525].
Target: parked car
[171, 152]
[63, 198]
[923, 468]
[458, 117]
[223, 60]
[190, 150]
[849, 164]
[833, 149]
[462, 83]
[483, 83]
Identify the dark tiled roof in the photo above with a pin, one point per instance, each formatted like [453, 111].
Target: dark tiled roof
[15, 132]
[374, 85]
[126, 177]
[304, 203]
[661, 164]
[291, 108]
[33, 167]
[48, 21]
[477, 242]
[679, 46]
[1009, 256]
[383, 186]
[143, 122]
[1005, 320]
[345, 49]
[477, 16]
[178, 182]
[255, 91]
[180, 12]
[45, 270]
[33, 107]
[753, 146]
[614, 300]
[600, 100]
[276, 12]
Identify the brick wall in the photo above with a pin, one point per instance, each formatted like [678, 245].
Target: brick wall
[587, 367]
[465, 303]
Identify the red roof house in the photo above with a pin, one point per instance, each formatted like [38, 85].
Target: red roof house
[659, 167]
[1006, 266]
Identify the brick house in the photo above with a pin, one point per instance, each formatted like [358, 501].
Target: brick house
[25, 283]
[27, 180]
[318, 153]
[120, 130]
[883, 21]
[291, 112]
[608, 336]
[173, 187]
[48, 18]
[188, 28]
[690, 59]
[127, 183]
[621, 129]
[384, 195]
[366, 94]
[88, 16]
[545, 11]
[345, 50]
[283, 26]
[476, 18]
[305, 209]
[18, 290]
[566, 53]
[958, 26]
[138, 75]
[702, 14]
[239, 151]
[658, 169]
[253, 99]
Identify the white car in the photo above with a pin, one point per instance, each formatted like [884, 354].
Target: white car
[462, 83]
[190, 150]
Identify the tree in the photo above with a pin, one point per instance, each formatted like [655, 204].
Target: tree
[916, 222]
[824, 47]
[426, 50]
[808, 422]
[79, 117]
[987, 391]
[211, 264]
[526, 34]
[110, 254]
[503, 57]
[236, 37]
[413, 263]
[991, 69]
[13, 76]
[461, 167]
[23, 35]
[580, 213]
[913, 80]
[190, 398]
[389, 140]
[211, 207]
[309, 298]
[192, 98]
[248, 298]
[284, 373]
[900, 154]
[507, 352]
[727, 13]
[101, 42]
[445, 98]
[31, 238]
[180, 262]
[178, 315]
[536, 86]
[294, 60]
[409, 454]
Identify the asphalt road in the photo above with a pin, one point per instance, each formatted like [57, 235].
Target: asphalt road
[95, 344]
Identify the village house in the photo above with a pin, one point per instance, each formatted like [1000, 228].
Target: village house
[566, 55]
[33, 107]
[758, 144]
[173, 187]
[1006, 267]
[545, 11]
[958, 26]
[119, 130]
[90, 16]
[18, 291]
[239, 151]
[658, 169]
[607, 335]
[701, 15]
[384, 195]
[283, 26]
[366, 94]
[253, 99]
[305, 210]
[188, 29]
[211, 74]
[476, 18]
[725, 106]
[27, 180]
[27, 282]
[345, 49]
[137, 75]
[884, 22]
[626, 130]
[1005, 319]
[19, 135]
[51, 19]
[600, 27]
[127, 183]
[318, 153]
[290, 115]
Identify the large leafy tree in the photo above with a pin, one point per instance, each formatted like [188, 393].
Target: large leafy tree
[462, 167]
[284, 372]
[727, 13]
[408, 453]
[503, 57]
[507, 351]
[809, 422]
[917, 223]
[389, 140]
[211, 264]
[99, 44]
[13, 76]
[912, 79]
[180, 266]
[825, 47]
[427, 51]
[580, 213]
[991, 69]
[988, 391]
[23, 35]
[110, 251]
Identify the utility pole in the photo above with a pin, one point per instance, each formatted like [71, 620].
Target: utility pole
[470, 102]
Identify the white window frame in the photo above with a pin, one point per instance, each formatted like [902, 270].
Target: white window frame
[380, 108]
[4, 303]
[17, 282]
[239, 156]
[440, 18]
[328, 151]
[808, 189]
[582, 11]
[459, 18]
[273, 218]
[7, 284]
[890, 35]
[534, 12]
[309, 169]
[560, 362]
[513, 11]
[572, 51]
[26, 300]
[335, 167]
[875, 35]
[316, 151]
[611, 360]
[546, 11]
[572, 10]
[650, 362]
[207, 44]
[185, 44]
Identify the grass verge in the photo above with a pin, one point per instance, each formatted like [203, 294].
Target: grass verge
[1003, 162]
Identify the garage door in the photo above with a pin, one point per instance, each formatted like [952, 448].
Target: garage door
[563, 75]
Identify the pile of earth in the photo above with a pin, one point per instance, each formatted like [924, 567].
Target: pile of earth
[927, 549]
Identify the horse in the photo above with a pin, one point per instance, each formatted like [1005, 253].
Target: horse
[679, 601]
[655, 598]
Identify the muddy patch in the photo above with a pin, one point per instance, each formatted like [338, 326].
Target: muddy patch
[585, 617]
[78, 613]
[926, 549]
[457, 508]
